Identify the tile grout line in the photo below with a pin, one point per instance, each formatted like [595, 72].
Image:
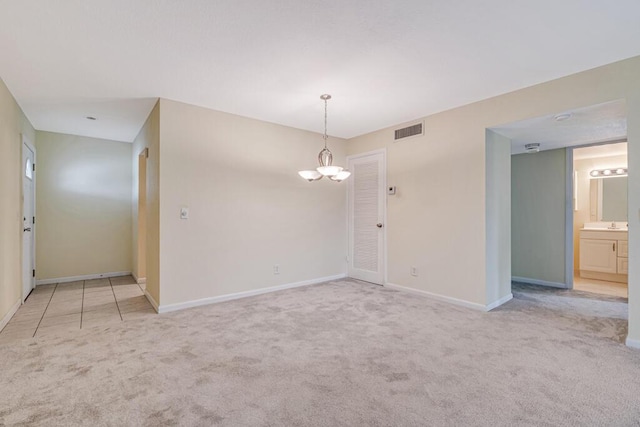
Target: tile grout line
[114, 297]
[82, 305]
[45, 310]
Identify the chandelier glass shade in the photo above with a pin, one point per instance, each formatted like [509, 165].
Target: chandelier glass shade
[325, 158]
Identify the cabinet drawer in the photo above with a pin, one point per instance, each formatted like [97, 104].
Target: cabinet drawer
[623, 248]
[623, 265]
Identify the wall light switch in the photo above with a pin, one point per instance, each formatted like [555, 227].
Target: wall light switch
[184, 213]
[414, 271]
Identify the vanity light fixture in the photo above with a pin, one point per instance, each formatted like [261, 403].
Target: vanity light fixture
[325, 158]
[608, 173]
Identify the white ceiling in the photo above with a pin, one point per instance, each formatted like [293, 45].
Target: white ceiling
[384, 62]
[596, 123]
[598, 151]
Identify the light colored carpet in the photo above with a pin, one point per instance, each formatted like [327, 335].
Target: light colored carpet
[342, 353]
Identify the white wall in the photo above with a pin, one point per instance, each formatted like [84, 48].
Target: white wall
[13, 123]
[83, 206]
[498, 217]
[633, 153]
[249, 209]
[538, 226]
[438, 223]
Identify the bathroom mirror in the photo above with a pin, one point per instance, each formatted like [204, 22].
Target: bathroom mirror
[608, 197]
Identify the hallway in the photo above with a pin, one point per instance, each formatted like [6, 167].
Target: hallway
[57, 308]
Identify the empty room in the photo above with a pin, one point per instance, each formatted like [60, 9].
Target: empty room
[319, 213]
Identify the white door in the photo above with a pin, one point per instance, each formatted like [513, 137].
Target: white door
[367, 202]
[28, 215]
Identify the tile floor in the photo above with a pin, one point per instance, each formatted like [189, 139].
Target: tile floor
[51, 309]
[600, 287]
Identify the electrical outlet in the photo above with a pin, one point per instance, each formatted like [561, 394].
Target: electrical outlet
[276, 269]
[414, 271]
[184, 213]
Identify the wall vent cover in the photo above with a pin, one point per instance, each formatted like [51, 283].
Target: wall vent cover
[412, 130]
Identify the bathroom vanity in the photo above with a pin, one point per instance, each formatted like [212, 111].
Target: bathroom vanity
[604, 253]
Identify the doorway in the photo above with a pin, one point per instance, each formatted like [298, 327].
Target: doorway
[28, 218]
[367, 216]
[141, 250]
[600, 223]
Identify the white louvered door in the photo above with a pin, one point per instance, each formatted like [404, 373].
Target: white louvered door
[367, 201]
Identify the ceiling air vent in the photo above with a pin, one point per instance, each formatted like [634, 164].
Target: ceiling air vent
[412, 130]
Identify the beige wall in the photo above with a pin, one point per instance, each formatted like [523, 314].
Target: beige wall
[149, 137]
[538, 227]
[583, 167]
[439, 224]
[141, 247]
[13, 123]
[83, 206]
[249, 209]
[436, 221]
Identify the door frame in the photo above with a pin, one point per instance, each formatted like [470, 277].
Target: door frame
[141, 224]
[27, 143]
[383, 151]
[569, 205]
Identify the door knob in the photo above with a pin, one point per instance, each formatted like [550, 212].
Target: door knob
[27, 229]
[379, 225]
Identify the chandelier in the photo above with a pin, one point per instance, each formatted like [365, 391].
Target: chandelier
[325, 158]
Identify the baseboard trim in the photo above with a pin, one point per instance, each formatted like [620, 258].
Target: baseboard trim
[10, 314]
[539, 282]
[450, 300]
[610, 277]
[228, 297]
[84, 277]
[139, 280]
[632, 343]
[151, 301]
[499, 302]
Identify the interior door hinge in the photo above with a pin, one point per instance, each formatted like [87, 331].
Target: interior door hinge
[34, 167]
[33, 273]
[34, 220]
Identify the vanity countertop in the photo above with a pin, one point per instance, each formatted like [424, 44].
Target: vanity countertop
[606, 226]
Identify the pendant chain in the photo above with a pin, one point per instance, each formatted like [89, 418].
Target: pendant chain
[325, 124]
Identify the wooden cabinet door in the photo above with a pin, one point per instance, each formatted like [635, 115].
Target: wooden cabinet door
[599, 255]
[623, 248]
[623, 265]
